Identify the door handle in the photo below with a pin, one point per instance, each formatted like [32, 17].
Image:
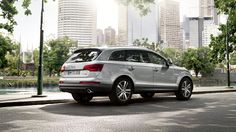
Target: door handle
[131, 68]
[155, 70]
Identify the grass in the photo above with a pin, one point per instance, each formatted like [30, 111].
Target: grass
[18, 82]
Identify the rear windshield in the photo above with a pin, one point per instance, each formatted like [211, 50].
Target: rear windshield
[84, 55]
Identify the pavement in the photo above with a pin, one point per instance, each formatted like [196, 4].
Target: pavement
[22, 99]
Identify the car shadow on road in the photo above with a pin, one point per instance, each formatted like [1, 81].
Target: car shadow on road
[137, 106]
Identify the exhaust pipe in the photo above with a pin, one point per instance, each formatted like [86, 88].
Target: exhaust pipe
[89, 91]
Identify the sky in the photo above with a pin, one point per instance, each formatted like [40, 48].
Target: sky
[189, 8]
[27, 30]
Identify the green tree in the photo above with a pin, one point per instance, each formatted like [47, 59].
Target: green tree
[28, 56]
[12, 58]
[218, 43]
[36, 57]
[6, 45]
[56, 52]
[233, 58]
[198, 60]
[36, 60]
[8, 11]
[145, 43]
[143, 6]
[174, 54]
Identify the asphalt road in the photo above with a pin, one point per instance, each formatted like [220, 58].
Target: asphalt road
[205, 112]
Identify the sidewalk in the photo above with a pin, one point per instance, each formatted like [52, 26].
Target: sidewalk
[60, 97]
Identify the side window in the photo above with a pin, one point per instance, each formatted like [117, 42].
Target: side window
[156, 59]
[117, 56]
[145, 58]
[133, 56]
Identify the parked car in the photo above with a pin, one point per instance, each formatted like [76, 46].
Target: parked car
[120, 72]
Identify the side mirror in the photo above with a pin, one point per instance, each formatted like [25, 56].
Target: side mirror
[169, 62]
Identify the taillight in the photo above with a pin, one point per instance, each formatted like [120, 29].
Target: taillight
[62, 69]
[93, 67]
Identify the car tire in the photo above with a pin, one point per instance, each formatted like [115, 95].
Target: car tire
[147, 95]
[122, 91]
[81, 98]
[185, 89]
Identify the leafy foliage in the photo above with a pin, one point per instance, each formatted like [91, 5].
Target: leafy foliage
[7, 13]
[56, 52]
[25, 5]
[36, 57]
[6, 46]
[13, 57]
[145, 43]
[174, 54]
[218, 43]
[143, 6]
[233, 58]
[198, 60]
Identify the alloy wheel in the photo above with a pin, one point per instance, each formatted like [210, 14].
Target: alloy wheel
[186, 88]
[123, 90]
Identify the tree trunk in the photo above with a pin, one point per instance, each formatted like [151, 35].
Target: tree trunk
[58, 73]
[50, 72]
[196, 73]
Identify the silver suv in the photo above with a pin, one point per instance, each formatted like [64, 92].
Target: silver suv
[121, 72]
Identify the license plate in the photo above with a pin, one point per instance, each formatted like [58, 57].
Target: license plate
[73, 72]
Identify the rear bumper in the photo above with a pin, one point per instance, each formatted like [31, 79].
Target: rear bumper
[95, 89]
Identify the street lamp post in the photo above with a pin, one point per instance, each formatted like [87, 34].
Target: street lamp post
[40, 67]
[227, 53]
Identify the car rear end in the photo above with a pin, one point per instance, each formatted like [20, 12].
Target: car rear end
[81, 73]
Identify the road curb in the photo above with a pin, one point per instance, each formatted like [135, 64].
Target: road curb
[217, 91]
[40, 102]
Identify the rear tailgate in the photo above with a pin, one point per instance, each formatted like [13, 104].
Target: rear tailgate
[74, 66]
[74, 70]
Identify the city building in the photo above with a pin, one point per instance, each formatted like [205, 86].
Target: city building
[169, 24]
[110, 36]
[133, 26]
[185, 30]
[142, 26]
[195, 32]
[122, 38]
[160, 25]
[200, 30]
[77, 19]
[100, 37]
[185, 24]
[208, 30]
[207, 9]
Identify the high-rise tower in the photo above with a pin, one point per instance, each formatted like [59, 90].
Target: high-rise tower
[77, 19]
[123, 25]
[169, 24]
[110, 36]
[207, 9]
